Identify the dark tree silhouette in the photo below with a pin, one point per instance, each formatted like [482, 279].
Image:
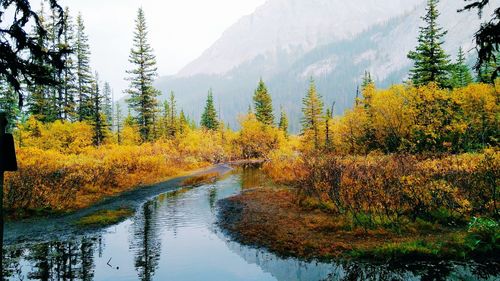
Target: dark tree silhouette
[21, 53]
[487, 37]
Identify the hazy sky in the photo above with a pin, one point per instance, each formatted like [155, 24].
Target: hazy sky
[179, 30]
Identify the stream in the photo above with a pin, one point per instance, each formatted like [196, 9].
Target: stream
[174, 236]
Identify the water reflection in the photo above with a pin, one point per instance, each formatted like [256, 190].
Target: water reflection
[174, 237]
[145, 242]
[68, 260]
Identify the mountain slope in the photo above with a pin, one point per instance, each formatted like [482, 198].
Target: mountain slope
[333, 43]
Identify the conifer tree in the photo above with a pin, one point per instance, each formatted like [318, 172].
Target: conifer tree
[83, 72]
[107, 102]
[98, 120]
[367, 80]
[283, 124]
[313, 112]
[172, 116]
[460, 74]
[142, 95]
[431, 63]
[486, 70]
[209, 116]
[118, 122]
[183, 122]
[68, 76]
[9, 104]
[263, 104]
[328, 118]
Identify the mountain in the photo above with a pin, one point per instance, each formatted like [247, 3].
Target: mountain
[288, 41]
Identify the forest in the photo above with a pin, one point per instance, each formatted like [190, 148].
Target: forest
[421, 157]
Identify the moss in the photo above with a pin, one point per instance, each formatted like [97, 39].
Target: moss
[104, 218]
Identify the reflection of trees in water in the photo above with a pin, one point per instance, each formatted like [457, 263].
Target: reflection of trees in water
[145, 242]
[212, 197]
[292, 269]
[56, 260]
[252, 176]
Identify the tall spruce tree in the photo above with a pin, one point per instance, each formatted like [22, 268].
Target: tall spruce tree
[431, 63]
[107, 93]
[328, 118]
[263, 104]
[209, 116]
[9, 103]
[68, 76]
[142, 95]
[487, 69]
[313, 112]
[118, 123]
[98, 120]
[84, 80]
[460, 74]
[172, 116]
[283, 124]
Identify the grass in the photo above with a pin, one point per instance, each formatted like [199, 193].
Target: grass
[104, 218]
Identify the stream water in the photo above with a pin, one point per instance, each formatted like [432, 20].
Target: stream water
[174, 237]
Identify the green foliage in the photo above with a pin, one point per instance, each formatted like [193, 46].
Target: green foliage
[312, 110]
[431, 63]
[142, 95]
[283, 124]
[460, 72]
[263, 105]
[209, 117]
[483, 236]
[9, 105]
[84, 80]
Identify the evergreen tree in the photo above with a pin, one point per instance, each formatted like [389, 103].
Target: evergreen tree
[172, 116]
[98, 120]
[313, 112]
[40, 103]
[183, 122]
[209, 116]
[143, 96]
[328, 118]
[83, 72]
[9, 104]
[283, 124]
[460, 74]
[263, 105]
[367, 80]
[118, 122]
[486, 71]
[68, 77]
[431, 63]
[107, 102]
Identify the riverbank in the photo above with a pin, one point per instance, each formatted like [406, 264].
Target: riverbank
[273, 218]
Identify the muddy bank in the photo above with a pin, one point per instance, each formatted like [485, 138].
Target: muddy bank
[65, 225]
[273, 219]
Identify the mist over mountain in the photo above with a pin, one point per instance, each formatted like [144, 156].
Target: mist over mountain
[288, 41]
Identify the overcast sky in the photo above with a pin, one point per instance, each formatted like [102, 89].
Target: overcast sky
[179, 30]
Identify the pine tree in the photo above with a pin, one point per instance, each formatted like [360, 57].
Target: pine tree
[431, 63]
[283, 124]
[313, 111]
[68, 77]
[486, 71]
[166, 118]
[107, 102]
[83, 72]
[209, 116]
[118, 122]
[40, 104]
[183, 123]
[172, 116]
[143, 96]
[460, 74]
[328, 118]
[98, 120]
[263, 104]
[367, 80]
[9, 104]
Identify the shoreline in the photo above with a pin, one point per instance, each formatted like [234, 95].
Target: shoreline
[271, 219]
